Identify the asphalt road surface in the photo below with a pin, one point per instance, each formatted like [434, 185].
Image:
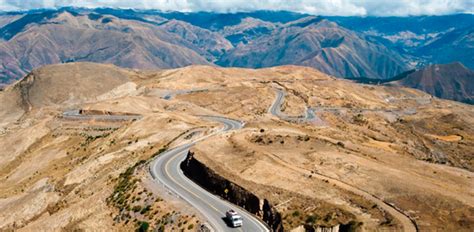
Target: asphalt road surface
[275, 109]
[309, 115]
[166, 170]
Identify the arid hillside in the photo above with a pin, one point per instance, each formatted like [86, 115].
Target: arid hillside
[149, 40]
[449, 81]
[318, 43]
[54, 37]
[77, 140]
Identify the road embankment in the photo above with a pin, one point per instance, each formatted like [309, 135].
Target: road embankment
[231, 192]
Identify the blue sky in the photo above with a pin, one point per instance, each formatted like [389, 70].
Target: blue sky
[317, 7]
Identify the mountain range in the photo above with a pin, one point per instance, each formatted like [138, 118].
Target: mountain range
[348, 47]
[422, 39]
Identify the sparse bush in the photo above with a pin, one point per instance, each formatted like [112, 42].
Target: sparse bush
[295, 213]
[136, 208]
[311, 219]
[161, 228]
[145, 209]
[163, 149]
[191, 226]
[359, 119]
[143, 226]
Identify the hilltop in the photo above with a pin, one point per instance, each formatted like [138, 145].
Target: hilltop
[77, 138]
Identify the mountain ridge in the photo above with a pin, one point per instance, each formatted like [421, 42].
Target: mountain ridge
[153, 39]
[150, 40]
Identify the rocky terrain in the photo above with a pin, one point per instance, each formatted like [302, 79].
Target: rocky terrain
[77, 139]
[346, 47]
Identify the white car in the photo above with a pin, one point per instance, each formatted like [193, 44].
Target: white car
[233, 218]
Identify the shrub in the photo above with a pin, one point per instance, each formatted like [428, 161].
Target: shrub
[143, 226]
[161, 228]
[311, 219]
[145, 209]
[136, 208]
[295, 213]
[359, 119]
[306, 138]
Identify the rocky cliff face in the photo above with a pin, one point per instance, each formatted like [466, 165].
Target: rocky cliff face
[262, 208]
[218, 185]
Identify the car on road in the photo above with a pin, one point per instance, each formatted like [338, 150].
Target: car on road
[233, 218]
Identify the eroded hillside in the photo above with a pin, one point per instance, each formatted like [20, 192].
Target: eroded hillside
[76, 139]
[150, 40]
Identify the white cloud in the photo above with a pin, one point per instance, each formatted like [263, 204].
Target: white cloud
[317, 7]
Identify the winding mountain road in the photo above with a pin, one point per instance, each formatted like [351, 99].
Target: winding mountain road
[275, 108]
[309, 115]
[166, 170]
[408, 224]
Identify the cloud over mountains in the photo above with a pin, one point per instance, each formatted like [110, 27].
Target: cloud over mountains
[320, 7]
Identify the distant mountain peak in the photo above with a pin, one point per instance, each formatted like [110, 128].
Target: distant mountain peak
[306, 21]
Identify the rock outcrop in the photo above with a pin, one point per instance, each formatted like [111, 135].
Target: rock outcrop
[232, 192]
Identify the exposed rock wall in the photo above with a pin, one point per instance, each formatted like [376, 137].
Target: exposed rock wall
[218, 185]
